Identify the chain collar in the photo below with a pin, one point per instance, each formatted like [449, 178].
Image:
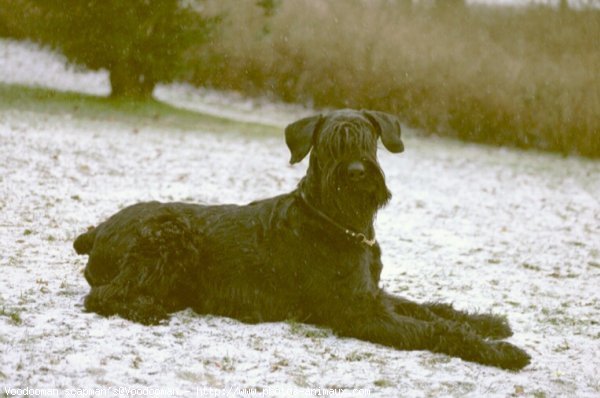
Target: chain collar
[357, 237]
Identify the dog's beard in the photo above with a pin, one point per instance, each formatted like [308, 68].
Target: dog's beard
[354, 204]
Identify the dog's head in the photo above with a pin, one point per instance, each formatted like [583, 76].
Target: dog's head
[344, 176]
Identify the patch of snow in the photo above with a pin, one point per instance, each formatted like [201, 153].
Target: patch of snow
[488, 229]
[29, 64]
[231, 105]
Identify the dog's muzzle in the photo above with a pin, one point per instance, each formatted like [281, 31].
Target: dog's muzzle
[356, 171]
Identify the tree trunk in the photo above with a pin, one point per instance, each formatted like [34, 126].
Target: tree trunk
[127, 83]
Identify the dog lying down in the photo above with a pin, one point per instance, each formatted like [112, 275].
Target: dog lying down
[309, 255]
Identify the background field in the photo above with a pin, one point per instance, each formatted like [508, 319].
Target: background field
[513, 76]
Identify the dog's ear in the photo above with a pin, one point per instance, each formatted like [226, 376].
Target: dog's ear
[388, 128]
[299, 136]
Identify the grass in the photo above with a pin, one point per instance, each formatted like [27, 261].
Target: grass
[384, 383]
[523, 77]
[13, 315]
[140, 114]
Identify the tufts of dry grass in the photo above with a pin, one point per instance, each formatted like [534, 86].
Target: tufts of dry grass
[522, 77]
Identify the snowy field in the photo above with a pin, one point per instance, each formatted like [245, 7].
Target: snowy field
[515, 233]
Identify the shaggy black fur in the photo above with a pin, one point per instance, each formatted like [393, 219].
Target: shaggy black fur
[309, 255]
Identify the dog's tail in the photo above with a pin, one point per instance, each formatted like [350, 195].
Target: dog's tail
[84, 242]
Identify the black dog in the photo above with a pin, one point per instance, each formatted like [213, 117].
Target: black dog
[309, 255]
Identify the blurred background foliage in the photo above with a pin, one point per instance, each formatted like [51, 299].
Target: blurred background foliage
[519, 76]
[140, 42]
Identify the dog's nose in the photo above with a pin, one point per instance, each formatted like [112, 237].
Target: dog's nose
[356, 171]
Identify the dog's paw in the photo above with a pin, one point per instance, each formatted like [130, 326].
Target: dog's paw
[459, 340]
[509, 357]
[149, 318]
[145, 310]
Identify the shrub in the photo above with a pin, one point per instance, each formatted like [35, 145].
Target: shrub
[525, 77]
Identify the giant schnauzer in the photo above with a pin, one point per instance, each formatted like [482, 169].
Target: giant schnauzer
[309, 255]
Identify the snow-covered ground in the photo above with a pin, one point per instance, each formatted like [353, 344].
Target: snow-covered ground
[516, 233]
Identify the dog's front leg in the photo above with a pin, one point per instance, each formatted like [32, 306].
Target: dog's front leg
[405, 307]
[485, 325]
[378, 323]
